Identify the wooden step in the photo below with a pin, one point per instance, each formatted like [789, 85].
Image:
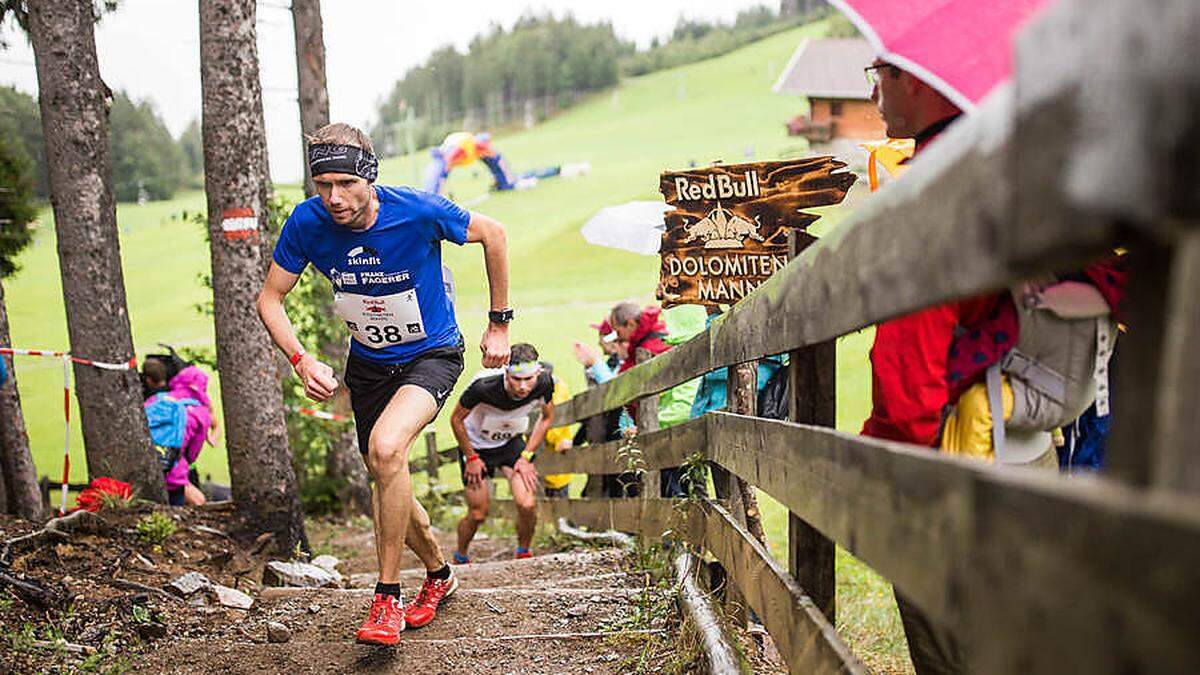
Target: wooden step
[592, 655]
[488, 612]
[530, 571]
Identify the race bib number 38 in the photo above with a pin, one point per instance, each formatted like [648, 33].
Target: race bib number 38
[381, 321]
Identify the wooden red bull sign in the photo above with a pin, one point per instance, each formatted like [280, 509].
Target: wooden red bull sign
[729, 230]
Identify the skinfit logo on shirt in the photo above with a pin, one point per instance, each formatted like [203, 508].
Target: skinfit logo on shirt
[362, 255]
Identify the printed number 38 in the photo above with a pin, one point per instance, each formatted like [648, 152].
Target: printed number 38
[389, 334]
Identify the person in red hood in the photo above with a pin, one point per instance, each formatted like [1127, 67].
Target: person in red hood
[638, 328]
[642, 328]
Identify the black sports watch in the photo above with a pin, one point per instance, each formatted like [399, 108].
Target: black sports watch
[501, 316]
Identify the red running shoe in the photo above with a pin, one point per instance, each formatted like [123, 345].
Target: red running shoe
[522, 553]
[422, 610]
[384, 623]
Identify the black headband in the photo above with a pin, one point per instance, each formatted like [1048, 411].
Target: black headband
[331, 158]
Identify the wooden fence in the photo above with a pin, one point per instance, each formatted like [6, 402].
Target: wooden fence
[1033, 572]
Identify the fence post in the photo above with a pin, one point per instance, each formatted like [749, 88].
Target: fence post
[743, 400]
[1153, 431]
[433, 461]
[723, 481]
[44, 488]
[596, 434]
[812, 393]
[1137, 367]
[1177, 425]
[647, 421]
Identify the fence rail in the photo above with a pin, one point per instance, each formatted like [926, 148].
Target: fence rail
[995, 551]
[1032, 572]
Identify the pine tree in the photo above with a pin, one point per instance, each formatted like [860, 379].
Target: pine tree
[344, 465]
[236, 182]
[75, 102]
[19, 492]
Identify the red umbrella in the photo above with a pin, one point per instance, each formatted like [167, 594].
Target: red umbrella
[962, 48]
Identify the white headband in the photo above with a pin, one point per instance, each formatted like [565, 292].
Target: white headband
[524, 369]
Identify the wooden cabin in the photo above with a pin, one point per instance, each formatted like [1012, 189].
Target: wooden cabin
[829, 73]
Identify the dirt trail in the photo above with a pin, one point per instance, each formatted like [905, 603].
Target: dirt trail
[540, 615]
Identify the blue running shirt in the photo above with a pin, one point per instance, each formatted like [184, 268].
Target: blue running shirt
[387, 281]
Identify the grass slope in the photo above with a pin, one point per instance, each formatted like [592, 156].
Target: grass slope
[721, 109]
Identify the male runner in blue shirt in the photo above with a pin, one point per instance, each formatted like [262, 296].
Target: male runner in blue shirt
[381, 248]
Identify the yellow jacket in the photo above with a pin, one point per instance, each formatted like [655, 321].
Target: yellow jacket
[557, 435]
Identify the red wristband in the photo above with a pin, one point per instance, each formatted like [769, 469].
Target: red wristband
[473, 458]
[295, 358]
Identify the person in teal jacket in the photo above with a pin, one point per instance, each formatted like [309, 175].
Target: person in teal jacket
[712, 394]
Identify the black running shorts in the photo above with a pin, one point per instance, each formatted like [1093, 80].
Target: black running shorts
[494, 458]
[372, 385]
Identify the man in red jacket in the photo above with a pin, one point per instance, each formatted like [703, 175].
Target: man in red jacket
[909, 358]
[640, 328]
[908, 373]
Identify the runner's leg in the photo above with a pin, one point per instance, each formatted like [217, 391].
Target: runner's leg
[420, 538]
[478, 499]
[526, 503]
[410, 409]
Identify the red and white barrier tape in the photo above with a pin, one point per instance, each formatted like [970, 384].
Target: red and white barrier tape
[322, 415]
[67, 360]
[66, 475]
[131, 364]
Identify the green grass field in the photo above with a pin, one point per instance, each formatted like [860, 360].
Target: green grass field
[721, 109]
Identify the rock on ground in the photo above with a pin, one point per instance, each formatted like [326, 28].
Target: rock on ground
[188, 584]
[278, 633]
[327, 562]
[233, 598]
[301, 575]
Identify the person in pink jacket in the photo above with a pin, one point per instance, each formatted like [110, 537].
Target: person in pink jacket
[191, 382]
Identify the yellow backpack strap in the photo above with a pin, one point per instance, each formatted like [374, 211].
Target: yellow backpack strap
[995, 394]
[891, 153]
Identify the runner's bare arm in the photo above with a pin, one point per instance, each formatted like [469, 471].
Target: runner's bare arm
[538, 435]
[474, 469]
[318, 378]
[523, 466]
[491, 234]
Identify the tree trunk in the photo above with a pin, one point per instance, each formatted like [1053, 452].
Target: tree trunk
[344, 463]
[260, 467]
[310, 71]
[18, 476]
[4, 506]
[74, 103]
